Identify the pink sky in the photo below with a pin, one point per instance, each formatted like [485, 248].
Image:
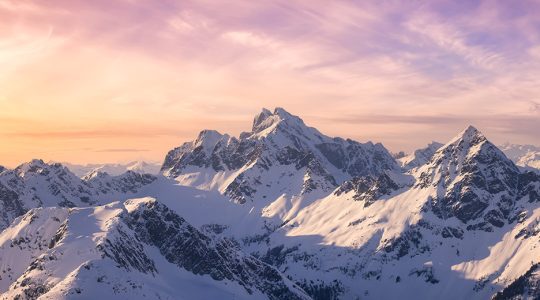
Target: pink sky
[107, 81]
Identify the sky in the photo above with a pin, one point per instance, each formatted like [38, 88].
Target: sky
[117, 80]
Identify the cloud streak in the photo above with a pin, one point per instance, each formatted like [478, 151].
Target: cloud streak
[123, 150]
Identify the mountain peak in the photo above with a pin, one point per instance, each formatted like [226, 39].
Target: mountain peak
[469, 143]
[469, 135]
[470, 132]
[206, 133]
[33, 166]
[95, 174]
[435, 144]
[468, 172]
[209, 138]
[420, 156]
[35, 162]
[281, 112]
[266, 121]
[260, 118]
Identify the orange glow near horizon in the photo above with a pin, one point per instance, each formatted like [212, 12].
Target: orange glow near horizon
[115, 81]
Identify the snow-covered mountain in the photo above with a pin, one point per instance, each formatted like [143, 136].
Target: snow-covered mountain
[420, 156]
[279, 212]
[139, 249]
[141, 167]
[473, 179]
[279, 159]
[527, 156]
[523, 155]
[451, 234]
[39, 184]
[379, 233]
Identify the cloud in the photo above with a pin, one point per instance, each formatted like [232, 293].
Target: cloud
[438, 119]
[535, 107]
[400, 119]
[496, 125]
[122, 150]
[93, 134]
[249, 39]
[168, 69]
[450, 39]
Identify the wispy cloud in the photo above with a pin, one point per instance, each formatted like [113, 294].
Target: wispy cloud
[122, 150]
[36, 133]
[510, 124]
[171, 68]
[535, 107]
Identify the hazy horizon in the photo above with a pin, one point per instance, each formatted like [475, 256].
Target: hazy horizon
[160, 159]
[117, 81]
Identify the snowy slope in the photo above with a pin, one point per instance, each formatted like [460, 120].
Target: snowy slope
[133, 250]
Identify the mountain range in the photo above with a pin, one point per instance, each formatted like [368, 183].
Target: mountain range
[113, 169]
[279, 212]
[523, 155]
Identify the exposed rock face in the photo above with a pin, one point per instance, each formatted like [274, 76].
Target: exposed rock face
[526, 286]
[10, 206]
[369, 189]
[129, 182]
[529, 186]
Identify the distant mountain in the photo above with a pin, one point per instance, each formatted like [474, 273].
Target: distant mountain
[39, 184]
[141, 167]
[527, 156]
[523, 155]
[419, 157]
